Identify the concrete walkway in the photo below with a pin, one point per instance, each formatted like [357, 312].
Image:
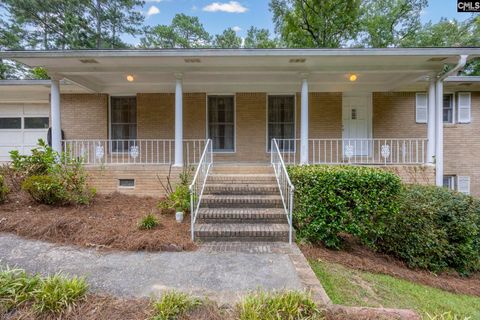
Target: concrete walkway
[223, 272]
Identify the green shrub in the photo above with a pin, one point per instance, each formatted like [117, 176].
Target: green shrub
[45, 189]
[16, 287]
[173, 304]
[435, 229]
[57, 293]
[148, 222]
[72, 176]
[291, 305]
[3, 190]
[39, 162]
[330, 200]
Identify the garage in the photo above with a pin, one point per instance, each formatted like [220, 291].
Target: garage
[21, 125]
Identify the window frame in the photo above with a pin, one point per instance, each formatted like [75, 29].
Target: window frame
[454, 106]
[110, 139]
[34, 116]
[13, 117]
[294, 122]
[453, 181]
[234, 120]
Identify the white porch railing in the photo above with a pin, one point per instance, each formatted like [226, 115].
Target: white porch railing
[135, 151]
[198, 183]
[357, 151]
[284, 184]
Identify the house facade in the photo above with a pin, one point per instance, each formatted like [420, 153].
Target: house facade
[135, 113]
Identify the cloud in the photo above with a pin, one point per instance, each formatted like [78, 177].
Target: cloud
[153, 10]
[230, 7]
[236, 29]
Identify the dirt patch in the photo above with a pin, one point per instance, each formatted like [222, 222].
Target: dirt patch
[96, 307]
[110, 222]
[356, 256]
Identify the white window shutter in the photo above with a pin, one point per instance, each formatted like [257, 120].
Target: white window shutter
[464, 107]
[421, 107]
[463, 184]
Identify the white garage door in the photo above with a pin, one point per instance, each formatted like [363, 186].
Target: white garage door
[21, 125]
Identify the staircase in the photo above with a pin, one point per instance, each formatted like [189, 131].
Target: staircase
[241, 203]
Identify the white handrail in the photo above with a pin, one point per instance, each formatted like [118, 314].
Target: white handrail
[198, 183]
[284, 185]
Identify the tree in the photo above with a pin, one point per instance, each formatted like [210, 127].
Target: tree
[316, 23]
[386, 23]
[228, 39]
[11, 36]
[183, 32]
[259, 38]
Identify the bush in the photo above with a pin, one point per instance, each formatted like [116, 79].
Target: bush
[3, 190]
[45, 189]
[330, 200]
[173, 304]
[73, 178]
[284, 305]
[435, 229]
[57, 293]
[39, 162]
[148, 222]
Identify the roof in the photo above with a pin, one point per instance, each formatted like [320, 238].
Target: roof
[235, 70]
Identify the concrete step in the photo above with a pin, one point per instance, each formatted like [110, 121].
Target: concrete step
[243, 188]
[237, 215]
[241, 179]
[241, 201]
[241, 232]
[242, 169]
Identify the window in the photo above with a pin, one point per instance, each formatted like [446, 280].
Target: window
[221, 123]
[36, 123]
[281, 121]
[126, 183]
[449, 182]
[11, 123]
[123, 126]
[448, 108]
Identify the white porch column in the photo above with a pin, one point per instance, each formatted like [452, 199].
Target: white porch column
[178, 121]
[431, 122]
[55, 115]
[439, 133]
[304, 123]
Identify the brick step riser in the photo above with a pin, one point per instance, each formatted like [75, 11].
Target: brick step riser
[276, 220]
[241, 181]
[241, 171]
[257, 204]
[243, 239]
[243, 192]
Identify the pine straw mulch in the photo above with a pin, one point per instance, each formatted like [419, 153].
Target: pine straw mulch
[356, 256]
[110, 222]
[102, 307]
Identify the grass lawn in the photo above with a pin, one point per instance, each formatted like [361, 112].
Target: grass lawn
[356, 288]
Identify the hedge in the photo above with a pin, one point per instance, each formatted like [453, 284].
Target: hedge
[330, 200]
[435, 229]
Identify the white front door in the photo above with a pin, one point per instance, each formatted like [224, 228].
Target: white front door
[356, 120]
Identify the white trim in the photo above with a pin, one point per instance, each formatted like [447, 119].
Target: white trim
[234, 95]
[294, 120]
[417, 94]
[469, 94]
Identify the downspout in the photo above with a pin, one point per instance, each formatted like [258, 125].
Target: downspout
[439, 119]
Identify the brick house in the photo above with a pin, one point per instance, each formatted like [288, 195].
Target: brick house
[130, 114]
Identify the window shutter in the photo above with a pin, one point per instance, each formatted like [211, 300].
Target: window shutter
[421, 107]
[464, 106]
[463, 184]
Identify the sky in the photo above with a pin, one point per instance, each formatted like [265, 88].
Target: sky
[218, 15]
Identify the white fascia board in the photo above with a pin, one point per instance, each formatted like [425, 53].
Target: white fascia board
[473, 52]
[463, 79]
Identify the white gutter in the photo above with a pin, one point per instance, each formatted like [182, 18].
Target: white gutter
[439, 118]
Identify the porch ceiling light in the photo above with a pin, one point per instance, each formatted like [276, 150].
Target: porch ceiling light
[130, 78]
[353, 77]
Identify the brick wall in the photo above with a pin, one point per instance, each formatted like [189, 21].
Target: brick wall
[462, 147]
[84, 116]
[156, 115]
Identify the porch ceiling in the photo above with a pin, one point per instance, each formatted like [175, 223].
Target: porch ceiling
[219, 71]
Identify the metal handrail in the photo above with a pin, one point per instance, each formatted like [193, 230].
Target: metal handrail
[198, 183]
[284, 185]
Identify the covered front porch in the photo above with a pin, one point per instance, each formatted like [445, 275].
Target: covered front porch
[345, 106]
